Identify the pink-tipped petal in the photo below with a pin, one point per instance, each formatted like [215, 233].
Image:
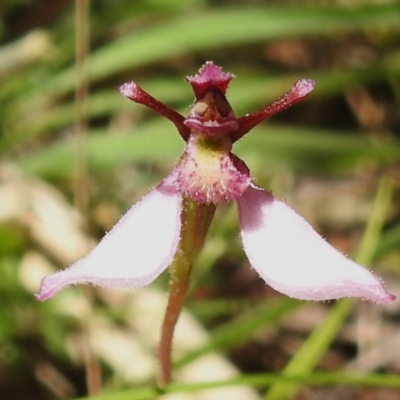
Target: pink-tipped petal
[138, 248]
[294, 259]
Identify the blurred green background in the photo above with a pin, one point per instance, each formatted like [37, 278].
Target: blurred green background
[75, 155]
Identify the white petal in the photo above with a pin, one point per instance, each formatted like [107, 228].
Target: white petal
[138, 248]
[294, 259]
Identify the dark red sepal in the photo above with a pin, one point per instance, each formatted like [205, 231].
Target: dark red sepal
[297, 93]
[135, 93]
[209, 76]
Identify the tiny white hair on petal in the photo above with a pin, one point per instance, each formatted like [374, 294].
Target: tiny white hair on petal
[294, 259]
[137, 249]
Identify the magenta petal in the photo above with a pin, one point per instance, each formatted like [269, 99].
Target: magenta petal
[294, 259]
[139, 247]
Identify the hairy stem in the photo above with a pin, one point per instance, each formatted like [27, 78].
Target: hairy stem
[177, 294]
[196, 219]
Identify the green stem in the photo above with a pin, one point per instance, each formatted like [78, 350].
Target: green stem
[196, 219]
[178, 290]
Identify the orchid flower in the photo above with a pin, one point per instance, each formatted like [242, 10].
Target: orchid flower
[167, 227]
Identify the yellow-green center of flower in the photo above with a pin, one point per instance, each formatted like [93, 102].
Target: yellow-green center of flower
[209, 173]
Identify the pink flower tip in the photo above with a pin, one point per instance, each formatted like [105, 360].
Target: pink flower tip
[48, 288]
[128, 89]
[303, 87]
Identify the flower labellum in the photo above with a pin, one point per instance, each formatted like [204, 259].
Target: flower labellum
[167, 227]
